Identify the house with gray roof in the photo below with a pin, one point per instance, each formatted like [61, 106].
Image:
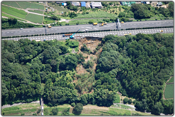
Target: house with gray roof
[96, 5]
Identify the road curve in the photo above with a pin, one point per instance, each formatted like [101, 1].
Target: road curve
[74, 28]
[97, 34]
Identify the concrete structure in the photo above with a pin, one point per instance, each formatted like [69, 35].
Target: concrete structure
[76, 3]
[96, 5]
[83, 4]
[88, 5]
[90, 27]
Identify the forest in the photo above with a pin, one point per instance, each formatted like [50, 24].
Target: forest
[136, 66]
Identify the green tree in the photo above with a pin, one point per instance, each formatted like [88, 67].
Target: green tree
[65, 112]
[77, 109]
[157, 108]
[55, 111]
[125, 100]
[129, 101]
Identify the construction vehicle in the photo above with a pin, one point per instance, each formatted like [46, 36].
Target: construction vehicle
[72, 36]
[129, 33]
[49, 26]
[161, 30]
[102, 24]
[65, 35]
[105, 23]
[122, 22]
[94, 23]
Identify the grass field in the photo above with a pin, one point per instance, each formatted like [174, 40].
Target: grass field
[171, 80]
[59, 8]
[36, 11]
[48, 21]
[97, 14]
[14, 12]
[34, 18]
[27, 109]
[169, 91]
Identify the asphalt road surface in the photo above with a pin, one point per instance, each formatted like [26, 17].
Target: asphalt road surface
[97, 34]
[75, 28]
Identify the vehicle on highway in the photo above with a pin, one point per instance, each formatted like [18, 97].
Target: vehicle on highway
[44, 40]
[161, 30]
[102, 24]
[65, 35]
[122, 22]
[105, 23]
[129, 33]
[125, 34]
[94, 23]
[37, 40]
[49, 26]
[21, 28]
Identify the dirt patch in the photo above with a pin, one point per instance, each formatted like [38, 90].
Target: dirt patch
[80, 70]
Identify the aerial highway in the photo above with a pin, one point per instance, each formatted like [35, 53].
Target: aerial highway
[97, 34]
[88, 27]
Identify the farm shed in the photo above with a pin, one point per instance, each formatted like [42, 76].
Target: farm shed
[159, 4]
[64, 4]
[128, 3]
[76, 3]
[96, 5]
[83, 4]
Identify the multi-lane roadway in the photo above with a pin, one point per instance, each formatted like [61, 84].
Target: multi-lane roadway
[74, 28]
[97, 34]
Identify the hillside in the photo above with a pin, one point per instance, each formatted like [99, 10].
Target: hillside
[90, 71]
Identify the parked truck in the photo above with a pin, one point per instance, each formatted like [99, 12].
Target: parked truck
[65, 35]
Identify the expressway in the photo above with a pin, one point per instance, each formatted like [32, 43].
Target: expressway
[97, 34]
[89, 27]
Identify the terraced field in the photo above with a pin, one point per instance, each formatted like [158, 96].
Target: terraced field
[36, 11]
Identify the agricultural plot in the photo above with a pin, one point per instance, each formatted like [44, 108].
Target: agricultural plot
[15, 12]
[34, 18]
[26, 109]
[117, 99]
[25, 5]
[97, 14]
[171, 80]
[169, 91]
[36, 11]
[10, 3]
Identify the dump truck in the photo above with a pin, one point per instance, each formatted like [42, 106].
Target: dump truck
[161, 30]
[94, 23]
[122, 22]
[49, 26]
[102, 24]
[65, 35]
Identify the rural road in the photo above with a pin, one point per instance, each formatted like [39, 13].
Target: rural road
[75, 28]
[97, 34]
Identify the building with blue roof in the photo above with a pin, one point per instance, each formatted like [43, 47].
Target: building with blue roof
[83, 4]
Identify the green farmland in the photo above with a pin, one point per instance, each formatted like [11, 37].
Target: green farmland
[15, 12]
[26, 109]
[171, 80]
[169, 91]
[36, 11]
[97, 14]
[34, 18]
[24, 5]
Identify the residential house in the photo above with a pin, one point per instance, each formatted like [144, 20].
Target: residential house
[96, 5]
[83, 4]
[76, 3]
